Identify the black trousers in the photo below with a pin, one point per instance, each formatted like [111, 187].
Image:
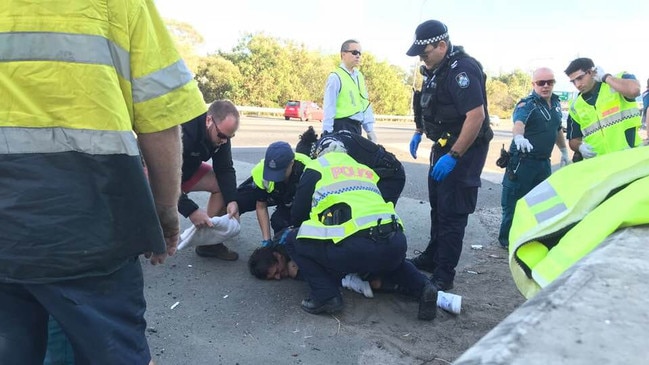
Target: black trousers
[347, 124]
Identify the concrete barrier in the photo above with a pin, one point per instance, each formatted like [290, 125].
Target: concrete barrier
[597, 312]
[279, 113]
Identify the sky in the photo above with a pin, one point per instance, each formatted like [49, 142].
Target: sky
[503, 35]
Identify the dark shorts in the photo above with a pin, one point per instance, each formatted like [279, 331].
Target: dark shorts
[203, 169]
[103, 317]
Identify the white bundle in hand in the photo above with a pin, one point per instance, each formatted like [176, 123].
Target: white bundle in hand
[224, 228]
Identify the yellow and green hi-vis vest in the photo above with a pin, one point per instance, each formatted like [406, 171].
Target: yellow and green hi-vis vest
[345, 181]
[269, 186]
[352, 98]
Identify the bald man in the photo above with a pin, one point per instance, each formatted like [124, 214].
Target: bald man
[537, 128]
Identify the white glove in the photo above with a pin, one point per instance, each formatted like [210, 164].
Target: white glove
[522, 144]
[586, 150]
[598, 73]
[565, 160]
[372, 136]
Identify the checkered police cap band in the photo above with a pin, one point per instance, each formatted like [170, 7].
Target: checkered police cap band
[424, 42]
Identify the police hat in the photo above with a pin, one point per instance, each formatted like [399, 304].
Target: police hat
[428, 32]
[279, 156]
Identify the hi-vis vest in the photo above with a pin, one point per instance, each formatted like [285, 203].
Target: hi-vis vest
[569, 214]
[352, 98]
[603, 126]
[345, 181]
[78, 77]
[258, 173]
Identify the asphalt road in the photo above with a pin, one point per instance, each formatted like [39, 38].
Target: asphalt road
[207, 311]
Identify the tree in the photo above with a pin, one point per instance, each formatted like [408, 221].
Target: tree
[219, 78]
[187, 41]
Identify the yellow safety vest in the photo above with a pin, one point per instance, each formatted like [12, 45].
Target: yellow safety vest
[603, 126]
[345, 181]
[352, 98]
[569, 214]
[78, 77]
[258, 173]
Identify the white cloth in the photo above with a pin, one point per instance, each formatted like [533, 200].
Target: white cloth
[224, 228]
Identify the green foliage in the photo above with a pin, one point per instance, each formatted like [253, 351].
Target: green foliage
[265, 71]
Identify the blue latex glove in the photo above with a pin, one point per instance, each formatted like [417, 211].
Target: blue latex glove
[414, 144]
[266, 243]
[443, 167]
[282, 239]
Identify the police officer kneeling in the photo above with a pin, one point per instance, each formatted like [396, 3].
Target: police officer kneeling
[345, 226]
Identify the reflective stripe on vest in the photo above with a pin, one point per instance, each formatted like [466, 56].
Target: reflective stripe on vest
[554, 225]
[91, 49]
[342, 187]
[544, 202]
[336, 233]
[352, 98]
[15, 140]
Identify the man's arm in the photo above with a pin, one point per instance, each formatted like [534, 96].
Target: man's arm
[264, 219]
[332, 88]
[629, 88]
[301, 207]
[162, 155]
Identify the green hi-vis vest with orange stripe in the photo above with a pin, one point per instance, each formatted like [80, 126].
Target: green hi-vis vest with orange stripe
[345, 181]
[570, 213]
[604, 125]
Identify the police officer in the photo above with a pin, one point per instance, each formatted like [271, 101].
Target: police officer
[537, 128]
[345, 226]
[272, 183]
[453, 114]
[389, 169]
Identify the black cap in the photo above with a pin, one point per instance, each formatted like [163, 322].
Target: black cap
[428, 32]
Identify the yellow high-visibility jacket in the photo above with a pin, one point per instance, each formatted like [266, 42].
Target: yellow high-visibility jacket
[78, 77]
[570, 213]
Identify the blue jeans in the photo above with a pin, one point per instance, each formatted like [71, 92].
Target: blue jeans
[103, 318]
[59, 349]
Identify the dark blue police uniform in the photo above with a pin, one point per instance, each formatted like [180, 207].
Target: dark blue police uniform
[456, 87]
[526, 170]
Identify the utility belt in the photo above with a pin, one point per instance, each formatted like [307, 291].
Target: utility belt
[382, 231]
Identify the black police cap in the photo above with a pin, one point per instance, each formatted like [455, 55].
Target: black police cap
[428, 32]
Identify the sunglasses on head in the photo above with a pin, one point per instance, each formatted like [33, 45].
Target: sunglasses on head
[545, 82]
[354, 52]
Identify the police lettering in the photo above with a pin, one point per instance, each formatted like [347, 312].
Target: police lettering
[351, 171]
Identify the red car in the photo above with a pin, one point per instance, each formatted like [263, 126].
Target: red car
[303, 110]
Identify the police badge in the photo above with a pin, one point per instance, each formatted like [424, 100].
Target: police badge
[462, 80]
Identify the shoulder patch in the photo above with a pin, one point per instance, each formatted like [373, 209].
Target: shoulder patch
[462, 80]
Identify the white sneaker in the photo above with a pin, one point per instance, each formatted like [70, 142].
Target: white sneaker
[355, 283]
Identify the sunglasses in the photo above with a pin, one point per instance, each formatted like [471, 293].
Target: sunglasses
[354, 52]
[545, 82]
[579, 78]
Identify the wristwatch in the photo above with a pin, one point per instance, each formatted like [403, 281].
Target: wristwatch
[454, 154]
[605, 77]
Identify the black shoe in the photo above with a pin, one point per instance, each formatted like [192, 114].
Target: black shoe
[330, 305]
[423, 262]
[220, 251]
[442, 284]
[428, 303]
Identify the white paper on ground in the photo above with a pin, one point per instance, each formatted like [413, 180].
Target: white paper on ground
[224, 228]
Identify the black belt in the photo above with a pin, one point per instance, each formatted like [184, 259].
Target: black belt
[380, 232]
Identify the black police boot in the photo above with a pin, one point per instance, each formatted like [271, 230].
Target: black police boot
[428, 303]
[423, 262]
[331, 305]
[443, 285]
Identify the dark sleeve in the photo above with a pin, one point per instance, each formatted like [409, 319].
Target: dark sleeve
[223, 167]
[416, 108]
[465, 86]
[186, 206]
[303, 196]
[573, 130]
